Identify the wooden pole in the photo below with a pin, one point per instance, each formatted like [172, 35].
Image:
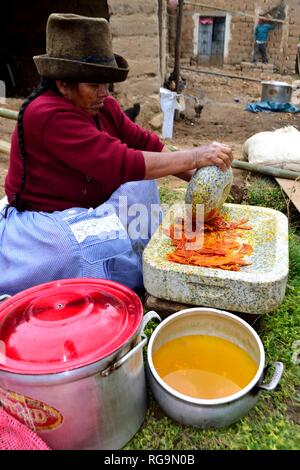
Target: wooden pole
[238, 13]
[4, 147]
[218, 74]
[8, 113]
[178, 44]
[298, 62]
[266, 170]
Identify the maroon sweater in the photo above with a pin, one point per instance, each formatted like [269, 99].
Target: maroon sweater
[73, 160]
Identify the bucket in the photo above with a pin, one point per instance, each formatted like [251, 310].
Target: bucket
[71, 365]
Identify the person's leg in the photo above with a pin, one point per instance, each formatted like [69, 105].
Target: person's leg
[138, 207]
[38, 247]
[255, 52]
[264, 53]
[34, 249]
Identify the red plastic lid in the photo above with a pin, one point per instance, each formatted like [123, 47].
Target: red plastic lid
[63, 325]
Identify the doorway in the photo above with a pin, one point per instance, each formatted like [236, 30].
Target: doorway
[211, 35]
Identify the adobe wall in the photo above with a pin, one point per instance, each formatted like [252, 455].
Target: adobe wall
[282, 46]
[139, 29]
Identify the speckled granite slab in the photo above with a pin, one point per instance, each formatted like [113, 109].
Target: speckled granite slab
[258, 288]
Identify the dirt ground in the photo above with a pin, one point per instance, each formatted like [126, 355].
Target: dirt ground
[223, 117]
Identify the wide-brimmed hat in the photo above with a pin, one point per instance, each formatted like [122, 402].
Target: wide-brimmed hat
[79, 48]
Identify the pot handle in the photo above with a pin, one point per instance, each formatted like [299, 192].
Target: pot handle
[148, 317]
[106, 372]
[275, 378]
[4, 297]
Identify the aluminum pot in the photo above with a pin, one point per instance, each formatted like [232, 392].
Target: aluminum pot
[82, 403]
[276, 92]
[209, 413]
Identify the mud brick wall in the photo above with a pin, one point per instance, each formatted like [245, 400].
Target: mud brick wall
[292, 35]
[282, 46]
[137, 32]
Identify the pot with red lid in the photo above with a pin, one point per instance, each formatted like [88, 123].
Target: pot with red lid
[71, 363]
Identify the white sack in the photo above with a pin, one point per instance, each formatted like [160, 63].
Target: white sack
[169, 103]
[280, 148]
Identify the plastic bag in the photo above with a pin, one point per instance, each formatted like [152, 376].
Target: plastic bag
[169, 103]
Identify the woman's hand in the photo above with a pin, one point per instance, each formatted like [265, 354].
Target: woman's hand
[213, 154]
[182, 162]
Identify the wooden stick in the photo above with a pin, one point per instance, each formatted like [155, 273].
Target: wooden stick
[4, 147]
[239, 13]
[298, 62]
[218, 74]
[178, 44]
[9, 113]
[266, 170]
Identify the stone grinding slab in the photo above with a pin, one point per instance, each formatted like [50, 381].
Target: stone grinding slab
[257, 288]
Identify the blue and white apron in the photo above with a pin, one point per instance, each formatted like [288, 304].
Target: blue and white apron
[106, 242]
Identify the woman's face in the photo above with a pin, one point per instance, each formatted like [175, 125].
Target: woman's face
[88, 96]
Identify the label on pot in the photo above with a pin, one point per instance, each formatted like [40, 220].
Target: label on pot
[35, 414]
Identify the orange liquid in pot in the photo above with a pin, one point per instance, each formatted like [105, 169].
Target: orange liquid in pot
[203, 366]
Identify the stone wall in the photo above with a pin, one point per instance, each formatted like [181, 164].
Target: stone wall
[138, 29]
[282, 46]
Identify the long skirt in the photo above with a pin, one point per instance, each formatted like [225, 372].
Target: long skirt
[106, 242]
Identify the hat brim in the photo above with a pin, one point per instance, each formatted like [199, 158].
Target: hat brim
[66, 69]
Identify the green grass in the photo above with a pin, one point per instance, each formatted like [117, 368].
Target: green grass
[171, 195]
[264, 191]
[270, 424]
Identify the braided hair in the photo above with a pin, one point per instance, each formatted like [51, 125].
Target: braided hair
[46, 84]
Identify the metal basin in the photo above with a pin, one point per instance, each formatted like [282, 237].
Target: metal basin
[276, 92]
[209, 413]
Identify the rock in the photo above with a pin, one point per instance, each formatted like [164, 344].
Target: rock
[157, 121]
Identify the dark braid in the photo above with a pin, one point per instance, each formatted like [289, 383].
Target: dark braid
[46, 84]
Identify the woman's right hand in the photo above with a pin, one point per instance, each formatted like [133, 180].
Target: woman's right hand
[213, 154]
[182, 162]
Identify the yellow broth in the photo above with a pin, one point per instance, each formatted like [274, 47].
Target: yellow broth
[202, 366]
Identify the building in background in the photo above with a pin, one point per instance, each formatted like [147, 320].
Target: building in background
[216, 35]
[144, 31]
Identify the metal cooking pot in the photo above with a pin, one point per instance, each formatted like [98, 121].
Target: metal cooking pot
[204, 413]
[276, 92]
[71, 363]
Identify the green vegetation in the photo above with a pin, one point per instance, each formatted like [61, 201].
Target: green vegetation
[272, 423]
[267, 193]
[171, 195]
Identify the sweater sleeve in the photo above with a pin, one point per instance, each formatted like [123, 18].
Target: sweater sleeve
[74, 139]
[130, 132]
